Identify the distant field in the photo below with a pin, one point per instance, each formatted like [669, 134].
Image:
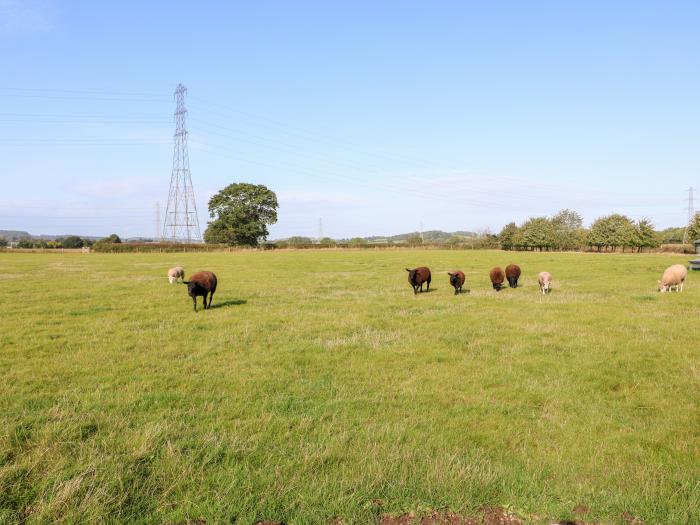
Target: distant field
[320, 387]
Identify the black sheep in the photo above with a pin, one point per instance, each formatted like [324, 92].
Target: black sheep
[201, 283]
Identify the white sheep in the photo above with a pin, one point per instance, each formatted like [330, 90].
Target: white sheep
[545, 280]
[176, 273]
[673, 277]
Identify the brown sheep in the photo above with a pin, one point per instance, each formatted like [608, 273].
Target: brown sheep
[417, 277]
[513, 274]
[497, 277]
[456, 280]
[201, 283]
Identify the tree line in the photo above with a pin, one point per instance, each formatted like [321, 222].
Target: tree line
[565, 231]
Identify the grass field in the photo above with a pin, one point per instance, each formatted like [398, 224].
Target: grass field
[320, 387]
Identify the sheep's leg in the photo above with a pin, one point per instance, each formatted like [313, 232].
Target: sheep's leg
[211, 296]
[194, 301]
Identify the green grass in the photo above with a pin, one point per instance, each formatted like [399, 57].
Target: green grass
[320, 384]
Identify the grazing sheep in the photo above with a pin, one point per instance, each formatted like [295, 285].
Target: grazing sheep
[456, 280]
[201, 283]
[513, 274]
[417, 277]
[176, 273]
[545, 280]
[497, 277]
[673, 277]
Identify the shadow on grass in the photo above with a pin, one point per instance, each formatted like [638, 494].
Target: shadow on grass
[230, 302]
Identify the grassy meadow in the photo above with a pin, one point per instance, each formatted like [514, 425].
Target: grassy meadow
[319, 387]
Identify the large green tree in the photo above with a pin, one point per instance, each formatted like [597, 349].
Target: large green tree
[73, 241]
[566, 228]
[693, 232]
[240, 214]
[113, 239]
[645, 235]
[537, 233]
[507, 236]
[612, 231]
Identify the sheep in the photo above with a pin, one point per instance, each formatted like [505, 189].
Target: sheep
[545, 280]
[513, 274]
[201, 283]
[417, 277]
[176, 273]
[497, 277]
[456, 280]
[673, 277]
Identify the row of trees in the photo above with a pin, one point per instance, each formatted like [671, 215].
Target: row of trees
[71, 242]
[565, 231]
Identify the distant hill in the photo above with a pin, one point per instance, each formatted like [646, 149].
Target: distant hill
[429, 236]
[14, 235]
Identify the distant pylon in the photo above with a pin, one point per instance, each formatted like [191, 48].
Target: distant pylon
[691, 213]
[320, 230]
[181, 220]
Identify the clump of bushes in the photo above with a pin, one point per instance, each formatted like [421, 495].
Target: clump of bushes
[677, 248]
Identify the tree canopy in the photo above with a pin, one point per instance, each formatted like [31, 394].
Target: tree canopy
[114, 239]
[507, 236]
[693, 232]
[73, 241]
[240, 214]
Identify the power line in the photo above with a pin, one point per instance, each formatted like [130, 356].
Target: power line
[83, 92]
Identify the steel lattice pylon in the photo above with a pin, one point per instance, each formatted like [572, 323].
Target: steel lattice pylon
[181, 220]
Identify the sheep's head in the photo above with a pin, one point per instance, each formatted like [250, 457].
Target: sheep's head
[411, 275]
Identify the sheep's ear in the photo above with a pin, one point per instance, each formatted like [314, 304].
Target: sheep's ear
[408, 270]
[450, 274]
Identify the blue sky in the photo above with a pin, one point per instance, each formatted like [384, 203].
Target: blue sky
[375, 116]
